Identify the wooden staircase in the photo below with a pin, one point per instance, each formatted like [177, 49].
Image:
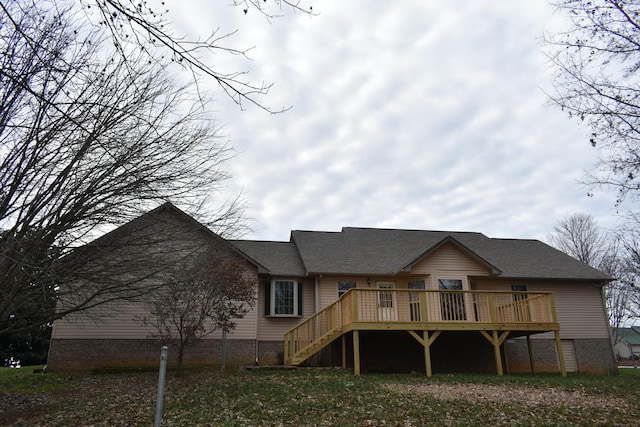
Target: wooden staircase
[317, 332]
[314, 347]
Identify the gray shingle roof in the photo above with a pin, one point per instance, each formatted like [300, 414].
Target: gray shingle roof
[387, 251]
[279, 258]
[366, 250]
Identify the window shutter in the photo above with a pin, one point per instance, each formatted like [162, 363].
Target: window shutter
[267, 298]
[300, 299]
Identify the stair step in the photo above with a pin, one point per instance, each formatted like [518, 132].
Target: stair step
[313, 348]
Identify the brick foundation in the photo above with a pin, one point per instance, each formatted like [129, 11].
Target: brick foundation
[271, 352]
[544, 356]
[593, 356]
[88, 354]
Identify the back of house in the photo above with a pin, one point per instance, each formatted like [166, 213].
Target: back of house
[377, 300]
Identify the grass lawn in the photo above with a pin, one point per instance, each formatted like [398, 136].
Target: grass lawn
[310, 397]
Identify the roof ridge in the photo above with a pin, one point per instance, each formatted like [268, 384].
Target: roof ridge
[516, 239]
[412, 230]
[259, 241]
[316, 231]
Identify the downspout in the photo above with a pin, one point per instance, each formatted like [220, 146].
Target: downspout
[256, 328]
[317, 290]
[317, 296]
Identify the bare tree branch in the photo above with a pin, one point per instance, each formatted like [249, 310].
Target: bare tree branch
[137, 26]
[86, 144]
[597, 62]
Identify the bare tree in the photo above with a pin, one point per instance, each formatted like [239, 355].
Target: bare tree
[210, 294]
[145, 28]
[89, 139]
[580, 236]
[630, 239]
[597, 61]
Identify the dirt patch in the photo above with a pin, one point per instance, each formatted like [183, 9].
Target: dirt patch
[19, 407]
[509, 394]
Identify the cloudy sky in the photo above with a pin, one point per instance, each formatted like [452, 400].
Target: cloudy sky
[413, 114]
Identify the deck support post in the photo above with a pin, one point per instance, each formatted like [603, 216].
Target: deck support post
[426, 342]
[530, 353]
[563, 369]
[496, 341]
[356, 353]
[344, 351]
[496, 349]
[427, 353]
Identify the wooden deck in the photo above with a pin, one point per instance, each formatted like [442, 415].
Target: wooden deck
[425, 314]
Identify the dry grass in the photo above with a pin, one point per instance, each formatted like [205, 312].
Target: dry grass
[512, 395]
[318, 398]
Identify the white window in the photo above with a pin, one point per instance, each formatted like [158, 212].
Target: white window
[519, 288]
[450, 284]
[343, 287]
[452, 304]
[283, 298]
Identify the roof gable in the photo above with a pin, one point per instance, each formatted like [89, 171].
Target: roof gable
[166, 215]
[373, 250]
[450, 240]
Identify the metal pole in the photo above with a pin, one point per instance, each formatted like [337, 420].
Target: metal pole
[224, 347]
[161, 380]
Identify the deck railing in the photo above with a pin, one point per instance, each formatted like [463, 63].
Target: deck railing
[422, 307]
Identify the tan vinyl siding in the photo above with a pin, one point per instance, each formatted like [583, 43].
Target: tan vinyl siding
[170, 239]
[309, 299]
[490, 285]
[105, 322]
[448, 260]
[123, 321]
[274, 328]
[579, 306]
[329, 287]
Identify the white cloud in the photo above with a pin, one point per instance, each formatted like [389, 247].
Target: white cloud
[413, 114]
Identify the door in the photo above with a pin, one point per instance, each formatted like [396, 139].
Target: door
[414, 300]
[451, 303]
[387, 307]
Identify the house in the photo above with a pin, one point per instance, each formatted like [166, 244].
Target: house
[375, 299]
[627, 342]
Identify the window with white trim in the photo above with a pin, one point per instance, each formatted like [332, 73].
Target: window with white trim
[519, 288]
[452, 304]
[283, 298]
[343, 287]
